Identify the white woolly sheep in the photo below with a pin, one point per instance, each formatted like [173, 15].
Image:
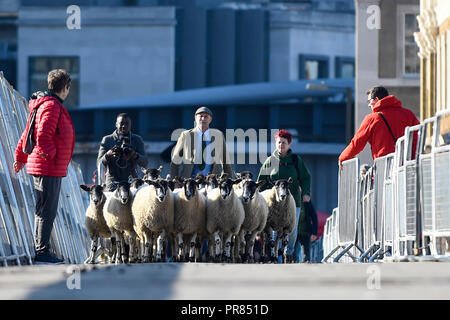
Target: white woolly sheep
[281, 218]
[117, 214]
[153, 216]
[224, 217]
[256, 212]
[189, 221]
[95, 222]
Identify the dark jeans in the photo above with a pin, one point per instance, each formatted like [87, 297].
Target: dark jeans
[304, 240]
[47, 195]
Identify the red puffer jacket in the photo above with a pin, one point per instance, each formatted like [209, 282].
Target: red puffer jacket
[374, 130]
[58, 148]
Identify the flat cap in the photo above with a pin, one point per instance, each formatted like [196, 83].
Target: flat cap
[204, 109]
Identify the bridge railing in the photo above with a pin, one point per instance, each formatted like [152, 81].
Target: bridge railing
[69, 238]
[402, 201]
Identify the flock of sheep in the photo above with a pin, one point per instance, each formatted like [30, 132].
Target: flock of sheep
[154, 219]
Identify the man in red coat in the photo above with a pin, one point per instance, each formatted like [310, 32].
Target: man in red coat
[47, 163]
[381, 133]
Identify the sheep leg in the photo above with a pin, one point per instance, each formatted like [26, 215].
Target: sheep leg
[160, 245]
[192, 248]
[271, 243]
[180, 247]
[138, 250]
[211, 248]
[198, 249]
[91, 258]
[101, 251]
[250, 246]
[113, 253]
[119, 250]
[218, 243]
[228, 247]
[284, 243]
[147, 244]
[243, 246]
[277, 245]
[174, 247]
[132, 248]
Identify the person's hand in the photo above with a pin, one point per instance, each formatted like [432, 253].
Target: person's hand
[18, 166]
[306, 198]
[313, 237]
[42, 155]
[131, 155]
[340, 165]
[114, 152]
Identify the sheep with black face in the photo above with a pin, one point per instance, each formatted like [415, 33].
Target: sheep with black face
[224, 217]
[153, 216]
[256, 212]
[189, 220]
[117, 214]
[95, 222]
[281, 218]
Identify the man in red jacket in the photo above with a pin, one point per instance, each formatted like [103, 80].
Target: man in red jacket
[382, 127]
[48, 162]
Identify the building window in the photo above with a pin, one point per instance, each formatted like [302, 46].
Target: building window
[313, 67]
[408, 62]
[344, 67]
[411, 59]
[39, 68]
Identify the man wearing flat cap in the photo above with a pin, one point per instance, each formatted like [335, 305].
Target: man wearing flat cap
[200, 149]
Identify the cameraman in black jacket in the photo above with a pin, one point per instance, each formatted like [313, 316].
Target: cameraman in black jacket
[121, 152]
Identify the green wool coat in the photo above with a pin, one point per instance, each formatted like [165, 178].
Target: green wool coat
[284, 170]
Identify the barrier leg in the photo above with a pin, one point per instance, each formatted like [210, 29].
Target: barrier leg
[340, 255]
[324, 260]
[366, 253]
[376, 254]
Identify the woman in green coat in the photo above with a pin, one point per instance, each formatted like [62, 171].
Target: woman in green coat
[283, 164]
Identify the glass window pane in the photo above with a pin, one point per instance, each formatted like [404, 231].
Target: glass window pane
[39, 68]
[412, 60]
[311, 69]
[347, 70]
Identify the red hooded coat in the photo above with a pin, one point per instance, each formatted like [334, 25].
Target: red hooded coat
[374, 130]
[58, 148]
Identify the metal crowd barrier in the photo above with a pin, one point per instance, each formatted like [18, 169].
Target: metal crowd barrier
[406, 193]
[69, 239]
[348, 200]
[402, 203]
[436, 205]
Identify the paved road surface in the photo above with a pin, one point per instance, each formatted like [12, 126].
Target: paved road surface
[412, 280]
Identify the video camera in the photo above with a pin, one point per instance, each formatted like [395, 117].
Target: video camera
[124, 150]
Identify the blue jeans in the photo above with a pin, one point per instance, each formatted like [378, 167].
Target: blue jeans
[293, 235]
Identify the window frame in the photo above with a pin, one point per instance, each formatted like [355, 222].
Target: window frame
[73, 76]
[402, 11]
[302, 58]
[339, 61]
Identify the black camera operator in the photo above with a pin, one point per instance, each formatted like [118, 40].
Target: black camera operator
[121, 152]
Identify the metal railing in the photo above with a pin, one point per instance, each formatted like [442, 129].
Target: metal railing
[403, 200]
[69, 238]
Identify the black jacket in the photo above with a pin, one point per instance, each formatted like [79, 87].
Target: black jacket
[311, 217]
[113, 171]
